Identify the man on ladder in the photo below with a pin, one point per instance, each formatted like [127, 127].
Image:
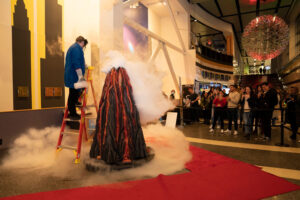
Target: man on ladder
[74, 72]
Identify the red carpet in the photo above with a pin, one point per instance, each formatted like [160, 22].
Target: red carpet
[212, 176]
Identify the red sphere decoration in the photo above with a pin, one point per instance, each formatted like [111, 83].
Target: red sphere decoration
[265, 37]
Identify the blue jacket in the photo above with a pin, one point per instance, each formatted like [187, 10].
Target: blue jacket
[74, 60]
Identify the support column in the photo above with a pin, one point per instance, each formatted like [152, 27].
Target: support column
[229, 45]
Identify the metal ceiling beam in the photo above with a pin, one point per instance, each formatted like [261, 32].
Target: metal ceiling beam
[257, 7]
[219, 8]
[254, 11]
[277, 7]
[239, 14]
[288, 11]
[173, 19]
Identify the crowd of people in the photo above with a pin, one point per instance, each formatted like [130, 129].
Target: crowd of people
[254, 109]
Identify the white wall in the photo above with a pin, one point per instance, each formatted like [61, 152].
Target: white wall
[184, 66]
[81, 19]
[6, 82]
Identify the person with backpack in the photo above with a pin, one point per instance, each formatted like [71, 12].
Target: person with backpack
[269, 101]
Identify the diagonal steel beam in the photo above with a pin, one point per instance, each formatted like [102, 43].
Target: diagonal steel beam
[171, 67]
[146, 32]
[155, 54]
[175, 25]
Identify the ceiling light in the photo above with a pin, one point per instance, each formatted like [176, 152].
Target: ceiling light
[135, 5]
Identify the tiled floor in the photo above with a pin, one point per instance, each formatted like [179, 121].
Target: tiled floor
[281, 161]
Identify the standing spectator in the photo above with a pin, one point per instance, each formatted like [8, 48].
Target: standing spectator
[214, 92]
[233, 102]
[258, 105]
[240, 107]
[293, 112]
[248, 103]
[205, 103]
[219, 105]
[269, 102]
[224, 92]
[194, 100]
[277, 113]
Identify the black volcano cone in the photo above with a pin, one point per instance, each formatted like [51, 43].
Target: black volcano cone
[119, 137]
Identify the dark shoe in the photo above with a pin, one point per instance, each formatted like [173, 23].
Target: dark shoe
[75, 117]
[247, 136]
[78, 104]
[293, 137]
[254, 132]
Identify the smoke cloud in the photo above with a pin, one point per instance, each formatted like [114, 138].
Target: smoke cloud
[146, 83]
[35, 150]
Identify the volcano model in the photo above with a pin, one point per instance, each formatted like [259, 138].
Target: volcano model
[119, 137]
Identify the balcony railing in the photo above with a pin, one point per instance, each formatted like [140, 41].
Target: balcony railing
[214, 55]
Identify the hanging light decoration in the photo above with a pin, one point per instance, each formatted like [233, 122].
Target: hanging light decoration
[265, 37]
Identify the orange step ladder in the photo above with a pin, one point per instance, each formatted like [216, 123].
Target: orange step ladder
[82, 128]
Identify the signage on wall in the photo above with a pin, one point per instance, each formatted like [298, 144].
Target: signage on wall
[53, 92]
[23, 91]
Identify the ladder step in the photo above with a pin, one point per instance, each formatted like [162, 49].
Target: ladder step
[91, 117]
[87, 106]
[67, 147]
[90, 106]
[69, 133]
[72, 120]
